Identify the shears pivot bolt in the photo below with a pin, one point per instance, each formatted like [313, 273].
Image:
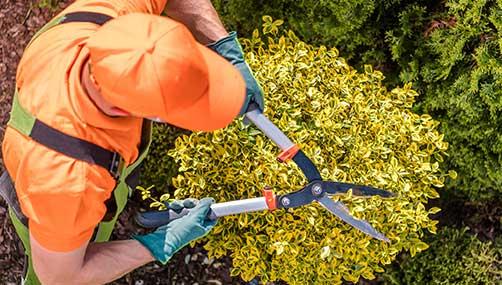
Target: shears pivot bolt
[317, 189]
[285, 201]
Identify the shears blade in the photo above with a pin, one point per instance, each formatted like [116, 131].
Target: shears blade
[337, 188]
[339, 210]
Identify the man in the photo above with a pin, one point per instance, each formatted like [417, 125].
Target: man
[84, 86]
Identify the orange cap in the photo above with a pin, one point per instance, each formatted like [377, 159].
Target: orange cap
[151, 66]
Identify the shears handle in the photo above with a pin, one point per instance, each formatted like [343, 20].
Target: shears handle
[154, 219]
[269, 129]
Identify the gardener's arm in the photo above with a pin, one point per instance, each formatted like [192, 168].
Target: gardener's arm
[100, 263]
[203, 21]
[95, 263]
[199, 16]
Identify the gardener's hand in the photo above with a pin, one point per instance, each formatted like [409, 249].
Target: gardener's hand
[230, 48]
[166, 240]
[179, 205]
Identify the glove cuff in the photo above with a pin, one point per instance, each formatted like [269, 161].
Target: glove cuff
[229, 48]
[155, 248]
[230, 37]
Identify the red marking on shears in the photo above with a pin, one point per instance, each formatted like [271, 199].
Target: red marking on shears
[288, 154]
[270, 198]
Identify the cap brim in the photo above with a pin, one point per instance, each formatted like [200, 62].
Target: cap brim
[222, 102]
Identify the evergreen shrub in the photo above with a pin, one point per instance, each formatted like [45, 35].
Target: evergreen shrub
[354, 129]
[456, 66]
[356, 27]
[454, 257]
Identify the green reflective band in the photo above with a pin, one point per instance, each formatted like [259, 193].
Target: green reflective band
[20, 119]
[23, 233]
[105, 229]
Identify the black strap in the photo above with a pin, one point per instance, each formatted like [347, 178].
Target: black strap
[91, 17]
[74, 147]
[71, 146]
[8, 193]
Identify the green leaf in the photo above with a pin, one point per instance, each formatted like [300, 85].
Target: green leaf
[434, 210]
[325, 252]
[156, 204]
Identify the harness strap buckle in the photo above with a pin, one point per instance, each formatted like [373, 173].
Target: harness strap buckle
[115, 165]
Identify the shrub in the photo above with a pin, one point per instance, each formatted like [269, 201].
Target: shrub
[454, 257]
[356, 27]
[458, 71]
[158, 169]
[354, 129]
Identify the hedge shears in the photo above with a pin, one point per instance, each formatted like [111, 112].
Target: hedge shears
[316, 190]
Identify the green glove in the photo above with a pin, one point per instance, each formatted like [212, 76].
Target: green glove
[230, 48]
[179, 205]
[166, 240]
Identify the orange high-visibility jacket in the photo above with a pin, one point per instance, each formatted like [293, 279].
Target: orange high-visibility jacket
[63, 198]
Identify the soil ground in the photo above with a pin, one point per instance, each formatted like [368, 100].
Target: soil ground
[19, 20]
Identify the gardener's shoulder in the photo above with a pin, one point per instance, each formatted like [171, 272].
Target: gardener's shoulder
[115, 8]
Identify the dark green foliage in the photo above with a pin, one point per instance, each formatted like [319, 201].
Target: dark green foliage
[458, 71]
[158, 168]
[454, 257]
[356, 27]
[406, 37]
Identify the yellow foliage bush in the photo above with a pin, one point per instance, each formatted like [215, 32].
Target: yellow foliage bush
[354, 130]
